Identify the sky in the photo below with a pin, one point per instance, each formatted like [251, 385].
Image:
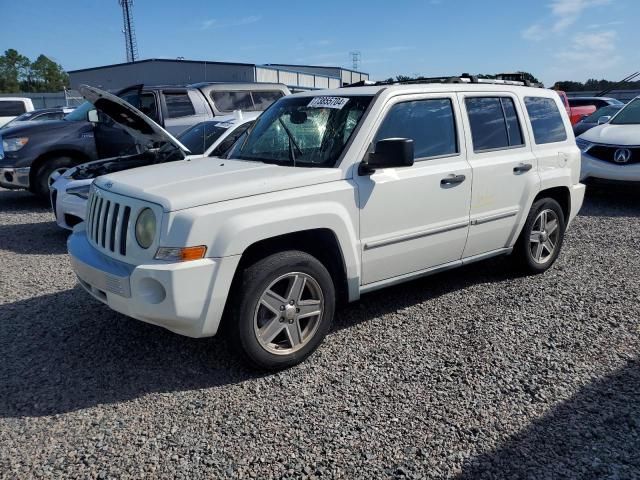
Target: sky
[553, 39]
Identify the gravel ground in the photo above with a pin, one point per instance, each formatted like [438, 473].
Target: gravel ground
[475, 373]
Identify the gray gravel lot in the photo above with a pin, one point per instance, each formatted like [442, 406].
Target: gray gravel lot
[475, 373]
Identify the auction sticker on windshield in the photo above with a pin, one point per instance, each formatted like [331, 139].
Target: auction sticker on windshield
[328, 102]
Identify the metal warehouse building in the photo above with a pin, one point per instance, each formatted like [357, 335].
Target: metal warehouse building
[183, 72]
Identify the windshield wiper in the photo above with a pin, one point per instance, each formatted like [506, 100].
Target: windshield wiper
[292, 143]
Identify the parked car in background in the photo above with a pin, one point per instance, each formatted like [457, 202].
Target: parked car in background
[212, 138]
[12, 107]
[611, 151]
[38, 153]
[582, 107]
[591, 121]
[178, 108]
[40, 115]
[332, 194]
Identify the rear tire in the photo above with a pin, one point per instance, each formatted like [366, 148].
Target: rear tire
[282, 309]
[541, 238]
[48, 173]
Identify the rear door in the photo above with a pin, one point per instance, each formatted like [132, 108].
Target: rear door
[416, 218]
[182, 108]
[505, 170]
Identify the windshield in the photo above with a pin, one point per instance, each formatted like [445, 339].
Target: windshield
[603, 112]
[303, 131]
[629, 115]
[80, 113]
[201, 136]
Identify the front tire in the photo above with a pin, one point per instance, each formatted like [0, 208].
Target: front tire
[282, 310]
[541, 239]
[48, 173]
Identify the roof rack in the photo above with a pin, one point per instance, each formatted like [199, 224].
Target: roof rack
[517, 79]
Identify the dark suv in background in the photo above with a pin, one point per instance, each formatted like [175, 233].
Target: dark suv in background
[33, 156]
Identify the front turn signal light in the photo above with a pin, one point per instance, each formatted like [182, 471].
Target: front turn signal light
[178, 254]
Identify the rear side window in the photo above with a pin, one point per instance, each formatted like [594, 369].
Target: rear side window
[546, 120]
[178, 105]
[494, 123]
[230, 101]
[11, 108]
[263, 100]
[429, 123]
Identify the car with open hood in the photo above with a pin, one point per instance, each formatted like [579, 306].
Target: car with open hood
[33, 155]
[611, 151]
[330, 195]
[212, 138]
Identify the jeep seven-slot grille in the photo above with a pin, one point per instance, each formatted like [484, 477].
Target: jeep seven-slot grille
[607, 154]
[108, 224]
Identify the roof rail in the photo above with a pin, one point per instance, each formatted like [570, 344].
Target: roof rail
[501, 79]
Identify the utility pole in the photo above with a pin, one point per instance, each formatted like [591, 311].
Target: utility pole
[129, 32]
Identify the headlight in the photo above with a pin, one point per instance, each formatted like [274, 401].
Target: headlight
[81, 191]
[145, 228]
[14, 144]
[583, 145]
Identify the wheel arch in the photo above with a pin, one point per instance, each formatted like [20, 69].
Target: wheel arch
[562, 195]
[78, 156]
[321, 243]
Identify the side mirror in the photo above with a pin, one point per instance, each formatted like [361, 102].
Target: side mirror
[604, 119]
[389, 153]
[92, 116]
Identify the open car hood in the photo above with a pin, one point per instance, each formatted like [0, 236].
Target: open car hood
[136, 123]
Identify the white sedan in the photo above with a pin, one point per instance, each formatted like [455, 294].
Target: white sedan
[206, 139]
[611, 151]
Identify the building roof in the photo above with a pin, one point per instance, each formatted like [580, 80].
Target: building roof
[149, 60]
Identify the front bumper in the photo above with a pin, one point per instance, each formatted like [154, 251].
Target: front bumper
[187, 298]
[69, 210]
[14, 178]
[594, 168]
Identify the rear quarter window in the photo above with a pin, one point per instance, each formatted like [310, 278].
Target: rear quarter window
[546, 120]
[11, 108]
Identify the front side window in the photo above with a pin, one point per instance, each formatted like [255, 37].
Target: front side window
[602, 112]
[225, 145]
[629, 115]
[145, 102]
[11, 108]
[494, 123]
[178, 105]
[546, 120]
[429, 123]
[303, 131]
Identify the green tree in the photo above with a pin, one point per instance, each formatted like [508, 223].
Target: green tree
[14, 68]
[45, 75]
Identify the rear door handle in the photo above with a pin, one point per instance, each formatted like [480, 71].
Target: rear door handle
[452, 179]
[522, 168]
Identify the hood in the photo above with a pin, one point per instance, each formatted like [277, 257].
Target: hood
[136, 123]
[191, 183]
[613, 134]
[20, 128]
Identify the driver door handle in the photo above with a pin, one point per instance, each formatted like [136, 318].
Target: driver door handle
[452, 179]
[522, 168]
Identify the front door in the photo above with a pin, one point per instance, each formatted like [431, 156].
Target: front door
[415, 218]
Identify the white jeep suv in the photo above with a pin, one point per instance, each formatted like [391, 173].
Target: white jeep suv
[330, 195]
